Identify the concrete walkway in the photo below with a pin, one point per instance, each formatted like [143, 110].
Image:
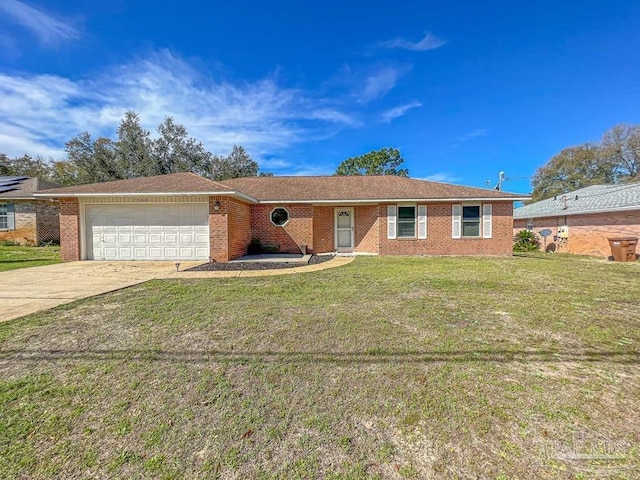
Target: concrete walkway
[30, 290]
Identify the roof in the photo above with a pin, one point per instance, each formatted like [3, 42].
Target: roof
[593, 199]
[171, 184]
[361, 188]
[20, 188]
[288, 189]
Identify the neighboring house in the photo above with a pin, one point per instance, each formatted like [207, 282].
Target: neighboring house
[183, 216]
[25, 219]
[582, 221]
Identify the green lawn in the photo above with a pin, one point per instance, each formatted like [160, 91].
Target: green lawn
[501, 368]
[23, 257]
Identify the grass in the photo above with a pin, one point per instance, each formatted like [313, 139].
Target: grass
[501, 368]
[12, 258]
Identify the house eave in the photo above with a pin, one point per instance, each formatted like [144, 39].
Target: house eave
[398, 200]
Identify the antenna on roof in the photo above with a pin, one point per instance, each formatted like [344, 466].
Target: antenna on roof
[501, 179]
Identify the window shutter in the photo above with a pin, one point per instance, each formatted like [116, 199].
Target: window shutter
[456, 221]
[486, 220]
[391, 222]
[11, 217]
[422, 221]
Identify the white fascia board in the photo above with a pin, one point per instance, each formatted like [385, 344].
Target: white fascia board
[579, 212]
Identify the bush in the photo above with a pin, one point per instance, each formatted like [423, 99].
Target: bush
[525, 241]
[8, 243]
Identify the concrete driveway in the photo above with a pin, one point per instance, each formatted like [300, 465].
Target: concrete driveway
[30, 290]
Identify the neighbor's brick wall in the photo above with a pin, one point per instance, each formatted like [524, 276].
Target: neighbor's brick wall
[439, 240]
[69, 229]
[298, 231]
[589, 233]
[25, 224]
[48, 222]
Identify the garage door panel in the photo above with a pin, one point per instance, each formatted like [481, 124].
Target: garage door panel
[148, 232]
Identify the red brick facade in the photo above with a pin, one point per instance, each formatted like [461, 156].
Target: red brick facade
[233, 224]
[588, 233]
[69, 229]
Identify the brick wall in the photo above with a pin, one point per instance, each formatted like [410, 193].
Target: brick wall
[298, 230]
[229, 228]
[367, 232]
[69, 229]
[439, 240]
[323, 233]
[589, 233]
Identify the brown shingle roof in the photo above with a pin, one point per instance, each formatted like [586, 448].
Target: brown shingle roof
[183, 183]
[25, 187]
[289, 189]
[357, 188]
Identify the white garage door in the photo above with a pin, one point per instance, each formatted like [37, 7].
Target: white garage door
[171, 231]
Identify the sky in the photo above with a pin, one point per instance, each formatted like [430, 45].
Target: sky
[464, 89]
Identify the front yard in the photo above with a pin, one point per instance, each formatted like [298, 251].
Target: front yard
[23, 257]
[523, 367]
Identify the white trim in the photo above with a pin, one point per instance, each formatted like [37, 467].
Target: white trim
[422, 222]
[471, 204]
[415, 219]
[271, 216]
[353, 227]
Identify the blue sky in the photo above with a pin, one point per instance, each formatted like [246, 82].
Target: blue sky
[463, 89]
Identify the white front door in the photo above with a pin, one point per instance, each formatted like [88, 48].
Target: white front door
[162, 231]
[344, 229]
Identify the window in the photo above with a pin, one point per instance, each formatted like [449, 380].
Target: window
[471, 220]
[6, 216]
[279, 216]
[406, 221]
[530, 224]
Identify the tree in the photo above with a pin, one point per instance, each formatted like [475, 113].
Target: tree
[572, 168]
[174, 151]
[133, 148]
[25, 165]
[385, 161]
[237, 164]
[622, 145]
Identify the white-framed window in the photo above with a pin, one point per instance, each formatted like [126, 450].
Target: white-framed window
[7, 216]
[472, 221]
[407, 221]
[530, 224]
[279, 216]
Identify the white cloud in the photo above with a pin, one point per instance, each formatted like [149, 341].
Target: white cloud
[389, 115]
[38, 114]
[428, 42]
[480, 132]
[49, 30]
[443, 177]
[378, 84]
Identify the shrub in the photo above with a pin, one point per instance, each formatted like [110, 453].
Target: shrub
[525, 241]
[8, 243]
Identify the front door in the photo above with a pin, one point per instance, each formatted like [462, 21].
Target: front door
[344, 229]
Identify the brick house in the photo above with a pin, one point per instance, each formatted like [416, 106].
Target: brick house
[25, 219]
[582, 221]
[184, 216]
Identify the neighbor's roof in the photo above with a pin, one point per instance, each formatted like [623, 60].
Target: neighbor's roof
[360, 188]
[171, 184]
[21, 188]
[594, 199]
